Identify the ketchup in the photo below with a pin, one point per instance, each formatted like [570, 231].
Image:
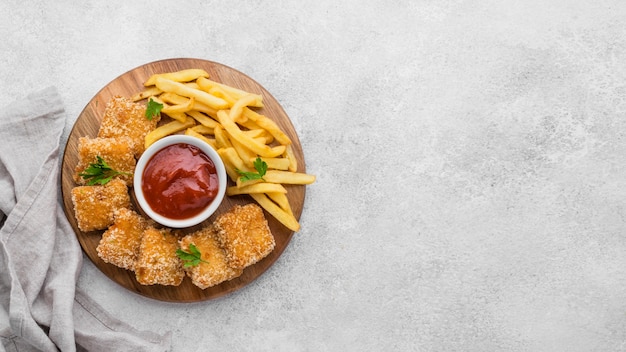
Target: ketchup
[179, 181]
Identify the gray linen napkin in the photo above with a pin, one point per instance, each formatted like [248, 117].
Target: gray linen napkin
[40, 258]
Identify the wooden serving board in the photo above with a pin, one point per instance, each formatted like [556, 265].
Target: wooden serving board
[88, 123]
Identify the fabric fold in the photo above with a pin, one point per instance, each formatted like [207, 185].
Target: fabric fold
[40, 258]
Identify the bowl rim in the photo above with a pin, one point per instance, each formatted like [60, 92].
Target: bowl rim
[150, 152]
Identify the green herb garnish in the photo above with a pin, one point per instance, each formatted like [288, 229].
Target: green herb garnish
[261, 168]
[191, 258]
[100, 173]
[153, 109]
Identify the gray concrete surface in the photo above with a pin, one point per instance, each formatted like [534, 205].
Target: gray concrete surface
[470, 161]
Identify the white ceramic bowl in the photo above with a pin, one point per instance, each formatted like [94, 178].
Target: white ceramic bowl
[157, 146]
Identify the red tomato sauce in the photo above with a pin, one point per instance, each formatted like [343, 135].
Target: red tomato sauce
[179, 181]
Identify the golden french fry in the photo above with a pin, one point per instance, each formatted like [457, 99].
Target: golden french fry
[167, 129]
[291, 156]
[259, 132]
[267, 124]
[281, 215]
[179, 108]
[274, 163]
[234, 132]
[178, 76]
[173, 98]
[288, 177]
[262, 187]
[219, 92]
[203, 119]
[244, 152]
[221, 138]
[205, 109]
[212, 101]
[193, 85]
[202, 129]
[148, 92]
[178, 116]
[191, 132]
[236, 111]
[281, 200]
[231, 162]
[206, 85]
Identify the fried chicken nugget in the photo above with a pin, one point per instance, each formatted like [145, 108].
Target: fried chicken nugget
[120, 243]
[115, 152]
[214, 269]
[95, 206]
[125, 118]
[157, 262]
[245, 235]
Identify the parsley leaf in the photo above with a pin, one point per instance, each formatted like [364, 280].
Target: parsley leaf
[100, 173]
[191, 258]
[153, 109]
[261, 168]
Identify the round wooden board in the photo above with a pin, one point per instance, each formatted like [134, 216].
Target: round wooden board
[88, 124]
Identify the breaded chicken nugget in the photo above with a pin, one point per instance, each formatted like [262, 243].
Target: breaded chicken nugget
[120, 243]
[214, 268]
[244, 234]
[115, 152]
[157, 262]
[95, 206]
[124, 118]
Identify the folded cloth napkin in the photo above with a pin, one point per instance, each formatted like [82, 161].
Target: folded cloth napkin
[40, 307]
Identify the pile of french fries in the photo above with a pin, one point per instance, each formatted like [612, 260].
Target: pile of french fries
[223, 117]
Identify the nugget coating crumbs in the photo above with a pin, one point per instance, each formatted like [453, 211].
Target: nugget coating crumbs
[157, 262]
[244, 234]
[124, 118]
[116, 153]
[215, 269]
[94, 206]
[120, 243]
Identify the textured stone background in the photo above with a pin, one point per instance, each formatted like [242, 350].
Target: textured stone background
[471, 187]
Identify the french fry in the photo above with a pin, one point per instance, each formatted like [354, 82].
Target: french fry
[179, 108]
[172, 98]
[167, 129]
[178, 116]
[236, 110]
[259, 132]
[263, 187]
[212, 101]
[291, 156]
[191, 132]
[244, 153]
[267, 124]
[192, 85]
[281, 215]
[281, 200]
[274, 163]
[202, 129]
[219, 92]
[178, 76]
[234, 132]
[206, 85]
[203, 119]
[221, 138]
[229, 157]
[148, 92]
[288, 177]
[251, 125]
